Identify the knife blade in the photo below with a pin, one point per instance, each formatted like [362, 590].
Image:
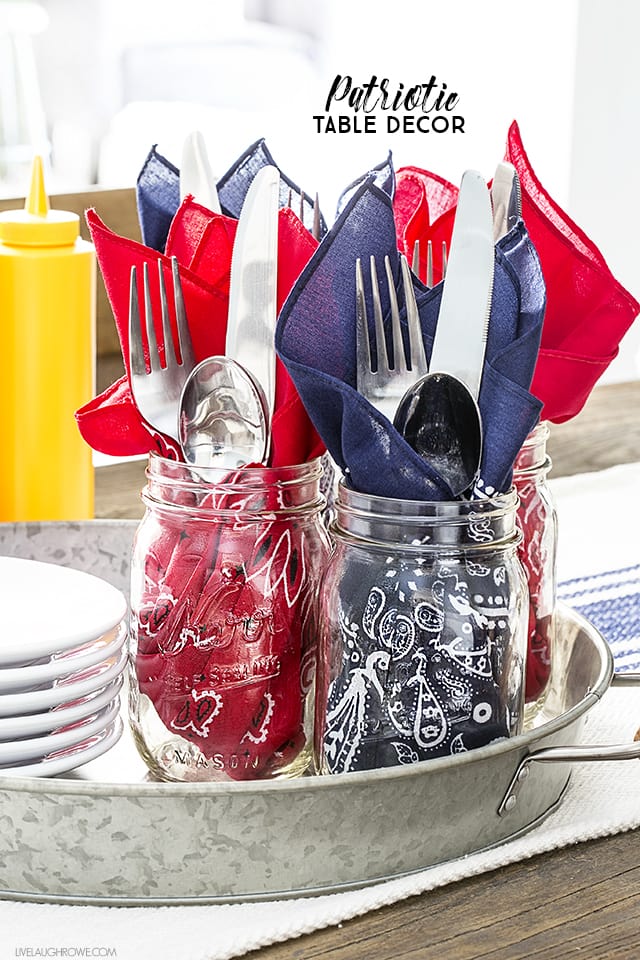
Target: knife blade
[196, 175]
[505, 199]
[251, 321]
[463, 321]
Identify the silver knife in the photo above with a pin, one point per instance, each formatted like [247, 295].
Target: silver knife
[463, 322]
[196, 175]
[505, 199]
[251, 321]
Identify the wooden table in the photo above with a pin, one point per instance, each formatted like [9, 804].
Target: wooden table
[580, 901]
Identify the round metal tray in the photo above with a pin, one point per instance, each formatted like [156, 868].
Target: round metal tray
[108, 834]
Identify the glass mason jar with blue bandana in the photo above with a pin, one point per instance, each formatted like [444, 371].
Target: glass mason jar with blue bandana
[423, 631]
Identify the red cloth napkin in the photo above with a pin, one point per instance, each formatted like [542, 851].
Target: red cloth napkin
[424, 207]
[202, 242]
[588, 311]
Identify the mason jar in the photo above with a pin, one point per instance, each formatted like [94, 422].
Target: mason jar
[423, 621]
[539, 525]
[225, 576]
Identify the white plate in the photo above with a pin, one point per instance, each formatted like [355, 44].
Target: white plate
[64, 760]
[14, 679]
[17, 704]
[47, 609]
[12, 728]
[20, 751]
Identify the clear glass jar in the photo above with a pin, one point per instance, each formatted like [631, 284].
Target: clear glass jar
[423, 631]
[225, 578]
[539, 524]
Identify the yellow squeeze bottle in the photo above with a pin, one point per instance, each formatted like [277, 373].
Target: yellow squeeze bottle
[47, 360]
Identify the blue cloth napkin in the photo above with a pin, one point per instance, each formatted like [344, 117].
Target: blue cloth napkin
[383, 175]
[157, 199]
[158, 192]
[316, 340]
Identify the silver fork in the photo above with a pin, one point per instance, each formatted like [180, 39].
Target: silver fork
[315, 229]
[385, 385]
[415, 262]
[156, 389]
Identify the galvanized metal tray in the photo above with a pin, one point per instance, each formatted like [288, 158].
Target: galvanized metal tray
[108, 834]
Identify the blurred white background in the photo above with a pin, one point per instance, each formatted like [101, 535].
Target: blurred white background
[94, 83]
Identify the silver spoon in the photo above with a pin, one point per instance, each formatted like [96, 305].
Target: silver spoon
[223, 416]
[439, 417]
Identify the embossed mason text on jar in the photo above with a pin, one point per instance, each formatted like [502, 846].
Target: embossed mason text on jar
[225, 577]
[538, 522]
[423, 631]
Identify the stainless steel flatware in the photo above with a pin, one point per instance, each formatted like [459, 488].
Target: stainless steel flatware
[223, 416]
[156, 385]
[441, 420]
[415, 261]
[506, 199]
[384, 381]
[439, 415]
[463, 321]
[227, 402]
[251, 322]
[315, 229]
[196, 175]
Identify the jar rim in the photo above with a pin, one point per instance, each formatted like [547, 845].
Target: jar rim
[416, 526]
[256, 491]
[540, 432]
[190, 475]
[373, 504]
[539, 468]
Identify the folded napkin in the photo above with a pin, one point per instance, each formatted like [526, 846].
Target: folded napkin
[157, 198]
[202, 241]
[382, 175]
[424, 207]
[316, 339]
[158, 192]
[588, 311]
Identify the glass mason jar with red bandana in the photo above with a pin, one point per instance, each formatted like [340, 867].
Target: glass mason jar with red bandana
[225, 576]
[423, 631]
[538, 522]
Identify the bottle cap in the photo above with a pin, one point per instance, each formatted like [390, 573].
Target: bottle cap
[37, 225]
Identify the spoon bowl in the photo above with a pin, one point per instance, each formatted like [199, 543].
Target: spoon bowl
[223, 419]
[439, 417]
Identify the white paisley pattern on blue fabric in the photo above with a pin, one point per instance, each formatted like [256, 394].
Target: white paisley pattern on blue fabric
[424, 648]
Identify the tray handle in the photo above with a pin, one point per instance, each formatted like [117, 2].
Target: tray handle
[573, 753]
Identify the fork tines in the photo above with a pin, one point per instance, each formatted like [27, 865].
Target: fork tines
[315, 230]
[386, 381]
[157, 376]
[168, 352]
[415, 261]
[315, 227]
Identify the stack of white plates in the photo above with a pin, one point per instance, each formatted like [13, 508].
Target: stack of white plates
[62, 656]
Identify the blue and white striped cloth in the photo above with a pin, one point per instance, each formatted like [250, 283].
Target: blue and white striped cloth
[611, 602]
